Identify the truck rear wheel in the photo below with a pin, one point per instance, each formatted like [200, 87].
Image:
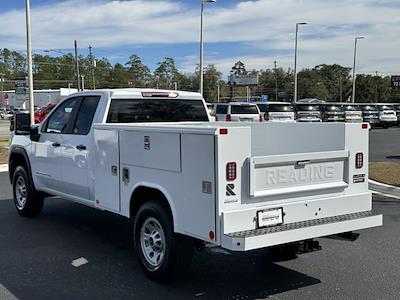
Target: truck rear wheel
[162, 254]
[27, 200]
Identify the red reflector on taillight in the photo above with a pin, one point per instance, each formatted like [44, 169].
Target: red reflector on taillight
[231, 171]
[211, 235]
[359, 160]
[228, 118]
[364, 126]
[223, 131]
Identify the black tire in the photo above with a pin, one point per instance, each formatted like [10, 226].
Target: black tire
[177, 252]
[27, 200]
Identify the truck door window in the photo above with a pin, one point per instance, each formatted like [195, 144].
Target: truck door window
[156, 110]
[58, 121]
[85, 116]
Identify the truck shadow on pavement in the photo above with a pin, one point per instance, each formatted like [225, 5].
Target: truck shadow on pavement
[36, 256]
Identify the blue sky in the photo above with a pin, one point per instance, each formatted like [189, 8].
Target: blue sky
[254, 31]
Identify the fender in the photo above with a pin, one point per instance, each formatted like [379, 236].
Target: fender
[162, 191]
[15, 149]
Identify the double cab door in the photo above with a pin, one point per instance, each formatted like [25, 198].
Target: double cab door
[62, 154]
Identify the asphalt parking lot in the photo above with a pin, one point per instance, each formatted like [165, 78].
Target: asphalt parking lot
[384, 145]
[36, 256]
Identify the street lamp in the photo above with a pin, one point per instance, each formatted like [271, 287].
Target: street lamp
[201, 42]
[354, 66]
[29, 56]
[295, 61]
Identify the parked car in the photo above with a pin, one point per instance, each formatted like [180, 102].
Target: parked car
[387, 115]
[263, 108]
[308, 112]
[237, 112]
[352, 113]
[370, 114]
[397, 108]
[6, 114]
[332, 113]
[43, 112]
[280, 112]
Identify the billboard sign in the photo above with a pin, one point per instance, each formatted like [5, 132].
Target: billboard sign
[243, 80]
[20, 90]
[395, 80]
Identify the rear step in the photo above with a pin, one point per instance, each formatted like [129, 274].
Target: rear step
[298, 231]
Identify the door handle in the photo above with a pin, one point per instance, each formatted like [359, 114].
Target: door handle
[56, 145]
[81, 147]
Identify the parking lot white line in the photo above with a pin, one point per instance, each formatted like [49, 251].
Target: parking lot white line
[3, 168]
[79, 262]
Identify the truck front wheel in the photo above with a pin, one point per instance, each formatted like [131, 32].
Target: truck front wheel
[162, 253]
[27, 200]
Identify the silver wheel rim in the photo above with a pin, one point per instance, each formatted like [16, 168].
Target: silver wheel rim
[20, 192]
[152, 242]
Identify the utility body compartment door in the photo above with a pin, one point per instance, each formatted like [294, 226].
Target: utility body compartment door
[107, 173]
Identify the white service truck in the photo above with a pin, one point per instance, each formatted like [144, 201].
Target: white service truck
[154, 157]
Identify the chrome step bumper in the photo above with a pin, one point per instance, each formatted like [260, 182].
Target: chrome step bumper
[286, 233]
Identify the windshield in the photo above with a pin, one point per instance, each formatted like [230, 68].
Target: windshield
[156, 110]
[262, 107]
[280, 107]
[386, 107]
[244, 110]
[368, 108]
[307, 107]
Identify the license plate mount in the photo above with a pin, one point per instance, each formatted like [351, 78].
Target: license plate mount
[270, 217]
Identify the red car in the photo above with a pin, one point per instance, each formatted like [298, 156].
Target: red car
[43, 112]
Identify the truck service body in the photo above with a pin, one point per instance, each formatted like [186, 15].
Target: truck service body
[240, 186]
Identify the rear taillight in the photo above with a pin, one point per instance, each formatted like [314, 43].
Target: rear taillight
[228, 118]
[260, 119]
[359, 160]
[231, 171]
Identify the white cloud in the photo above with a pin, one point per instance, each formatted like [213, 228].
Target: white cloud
[268, 25]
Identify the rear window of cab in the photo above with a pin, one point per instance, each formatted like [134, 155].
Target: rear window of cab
[156, 110]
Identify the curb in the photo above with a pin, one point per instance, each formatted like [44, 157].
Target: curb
[4, 168]
[396, 188]
[385, 189]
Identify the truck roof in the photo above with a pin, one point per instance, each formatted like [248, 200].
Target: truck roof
[138, 93]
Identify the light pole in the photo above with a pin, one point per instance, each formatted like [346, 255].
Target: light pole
[218, 92]
[354, 67]
[29, 56]
[295, 61]
[201, 42]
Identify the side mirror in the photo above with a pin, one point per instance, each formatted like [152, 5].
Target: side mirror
[22, 124]
[35, 135]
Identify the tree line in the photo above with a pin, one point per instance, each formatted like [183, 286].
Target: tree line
[325, 82]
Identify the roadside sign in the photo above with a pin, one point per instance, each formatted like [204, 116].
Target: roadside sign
[243, 80]
[264, 98]
[20, 90]
[395, 80]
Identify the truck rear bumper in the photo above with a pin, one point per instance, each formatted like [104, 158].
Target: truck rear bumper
[292, 232]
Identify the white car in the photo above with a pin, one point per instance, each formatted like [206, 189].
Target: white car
[152, 156]
[352, 113]
[308, 112]
[237, 112]
[387, 115]
[280, 112]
